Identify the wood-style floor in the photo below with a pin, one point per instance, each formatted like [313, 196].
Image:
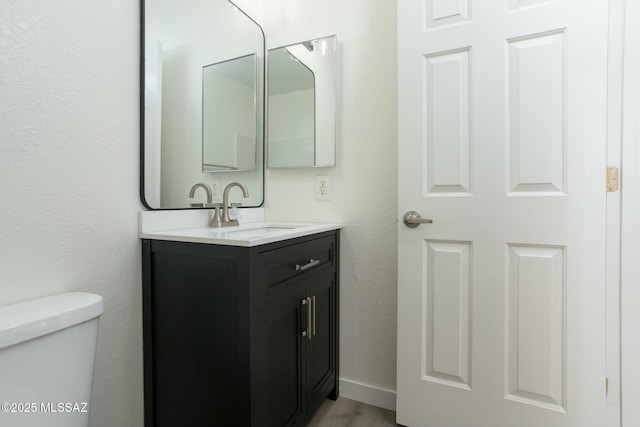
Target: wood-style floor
[349, 413]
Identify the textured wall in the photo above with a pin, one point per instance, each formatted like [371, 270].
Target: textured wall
[69, 175]
[364, 182]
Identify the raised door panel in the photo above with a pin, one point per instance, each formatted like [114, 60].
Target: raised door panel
[280, 362]
[321, 352]
[447, 123]
[447, 296]
[440, 13]
[536, 328]
[536, 111]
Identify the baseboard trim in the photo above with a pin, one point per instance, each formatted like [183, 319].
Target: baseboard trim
[368, 394]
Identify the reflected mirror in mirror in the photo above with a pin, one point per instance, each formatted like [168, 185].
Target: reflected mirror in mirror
[189, 48]
[301, 107]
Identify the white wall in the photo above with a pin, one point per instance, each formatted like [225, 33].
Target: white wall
[363, 184]
[291, 129]
[69, 172]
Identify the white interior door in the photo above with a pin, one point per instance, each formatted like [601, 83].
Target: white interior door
[502, 143]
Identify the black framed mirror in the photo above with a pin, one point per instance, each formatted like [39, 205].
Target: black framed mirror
[202, 102]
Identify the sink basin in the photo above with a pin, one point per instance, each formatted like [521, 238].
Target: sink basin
[253, 233]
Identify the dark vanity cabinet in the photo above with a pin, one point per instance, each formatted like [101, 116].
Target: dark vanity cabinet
[239, 336]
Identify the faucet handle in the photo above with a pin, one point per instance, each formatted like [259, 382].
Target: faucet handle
[234, 213]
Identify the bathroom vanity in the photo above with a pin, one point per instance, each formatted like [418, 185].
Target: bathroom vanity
[240, 322]
[239, 332]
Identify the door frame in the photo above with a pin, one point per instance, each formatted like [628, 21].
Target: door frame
[615, 92]
[630, 221]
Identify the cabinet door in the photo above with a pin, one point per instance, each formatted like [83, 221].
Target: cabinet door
[198, 358]
[280, 353]
[321, 351]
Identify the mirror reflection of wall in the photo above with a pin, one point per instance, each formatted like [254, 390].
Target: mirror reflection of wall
[291, 124]
[302, 104]
[181, 39]
[228, 132]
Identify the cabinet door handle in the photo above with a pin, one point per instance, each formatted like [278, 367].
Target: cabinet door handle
[310, 331]
[307, 332]
[309, 320]
[312, 263]
[313, 316]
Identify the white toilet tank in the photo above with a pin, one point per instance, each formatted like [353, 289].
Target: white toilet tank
[47, 354]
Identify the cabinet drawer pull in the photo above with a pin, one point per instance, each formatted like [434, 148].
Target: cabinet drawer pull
[312, 263]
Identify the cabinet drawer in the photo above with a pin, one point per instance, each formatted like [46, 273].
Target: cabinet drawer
[298, 260]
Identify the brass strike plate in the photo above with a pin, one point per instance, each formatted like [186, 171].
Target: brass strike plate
[612, 179]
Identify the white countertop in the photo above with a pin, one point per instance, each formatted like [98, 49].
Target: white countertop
[193, 226]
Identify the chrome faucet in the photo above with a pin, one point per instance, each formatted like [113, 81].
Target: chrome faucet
[224, 220]
[207, 189]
